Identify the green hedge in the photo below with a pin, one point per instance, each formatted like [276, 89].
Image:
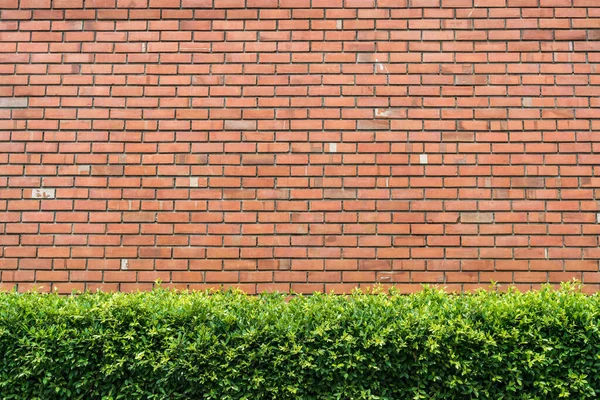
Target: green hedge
[430, 345]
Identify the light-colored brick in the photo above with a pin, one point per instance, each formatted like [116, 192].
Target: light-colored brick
[477, 217]
[43, 193]
[13, 102]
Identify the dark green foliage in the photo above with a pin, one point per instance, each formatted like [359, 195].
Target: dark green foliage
[168, 345]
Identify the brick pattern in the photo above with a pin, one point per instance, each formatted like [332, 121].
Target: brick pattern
[303, 144]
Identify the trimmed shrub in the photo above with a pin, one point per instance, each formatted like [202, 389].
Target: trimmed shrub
[227, 345]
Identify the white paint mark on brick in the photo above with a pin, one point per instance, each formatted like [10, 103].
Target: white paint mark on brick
[527, 101]
[546, 252]
[144, 47]
[124, 264]
[43, 193]
[390, 113]
[423, 158]
[382, 112]
[13, 102]
[83, 169]
[380, 67]
[598, 218]
[332, 147]
[474, 6]
[338, 24]
[194, 182]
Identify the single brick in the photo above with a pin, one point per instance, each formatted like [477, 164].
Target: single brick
[13, 102]
[240, 125]
[43, 193]
[477, 217]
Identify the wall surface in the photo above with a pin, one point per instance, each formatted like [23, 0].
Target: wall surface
[303, 144]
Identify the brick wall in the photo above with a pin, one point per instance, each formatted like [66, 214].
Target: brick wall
[304, 144]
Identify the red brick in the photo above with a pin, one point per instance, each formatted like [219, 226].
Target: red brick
[239, 144]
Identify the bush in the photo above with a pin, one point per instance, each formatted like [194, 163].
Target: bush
[227, 345]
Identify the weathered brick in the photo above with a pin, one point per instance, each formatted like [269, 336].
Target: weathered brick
[13, 102]
[43, 193]
[476, 217]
